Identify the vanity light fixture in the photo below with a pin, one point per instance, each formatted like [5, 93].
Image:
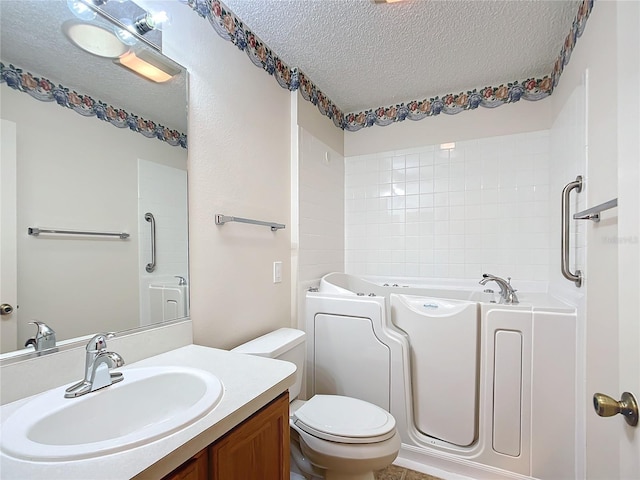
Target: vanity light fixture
[148, 65]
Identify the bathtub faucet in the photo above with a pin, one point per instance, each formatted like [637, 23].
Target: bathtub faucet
[507, 293]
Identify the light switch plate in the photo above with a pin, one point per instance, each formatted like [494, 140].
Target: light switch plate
[277, 272]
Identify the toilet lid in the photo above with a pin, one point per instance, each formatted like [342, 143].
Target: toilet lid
[344, 419]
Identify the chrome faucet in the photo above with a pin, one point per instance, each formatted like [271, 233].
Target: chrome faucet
[98, 362]
[507, 293]
[45, 337]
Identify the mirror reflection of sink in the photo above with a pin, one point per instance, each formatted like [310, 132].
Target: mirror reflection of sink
[149, 403]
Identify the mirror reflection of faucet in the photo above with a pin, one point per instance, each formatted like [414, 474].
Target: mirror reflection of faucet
[45, 338]
[98, 362]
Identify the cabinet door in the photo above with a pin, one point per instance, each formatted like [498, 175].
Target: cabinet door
[257, 449]
[196, 468]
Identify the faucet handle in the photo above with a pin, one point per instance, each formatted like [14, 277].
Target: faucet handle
[99, 342]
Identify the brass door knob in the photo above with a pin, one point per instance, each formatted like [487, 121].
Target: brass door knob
[6, 309]
[606, 406]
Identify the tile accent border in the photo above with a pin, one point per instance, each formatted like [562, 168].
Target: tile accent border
[490, 97]
[229, 27]
[46, 91]
[232, 29]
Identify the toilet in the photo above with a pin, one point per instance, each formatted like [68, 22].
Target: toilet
[332, 437]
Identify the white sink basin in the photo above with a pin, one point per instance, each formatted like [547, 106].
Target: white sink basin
[149, 403]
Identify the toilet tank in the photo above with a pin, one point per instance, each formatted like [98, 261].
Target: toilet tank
[283, 344]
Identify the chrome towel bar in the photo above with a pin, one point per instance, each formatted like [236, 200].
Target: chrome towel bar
[151, 219]
[35, 231]
[593, 213]
[222, 219]
[564, 241]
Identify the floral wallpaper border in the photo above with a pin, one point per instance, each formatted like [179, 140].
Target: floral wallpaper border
[231, 28]
[46, 91]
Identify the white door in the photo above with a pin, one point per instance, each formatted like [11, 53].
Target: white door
[8, 260]
[629, 224]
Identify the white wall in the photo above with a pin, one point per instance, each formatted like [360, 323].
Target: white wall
[83, 181]
[523, 116]
[239, 164]
[595, 51]
[481, 207]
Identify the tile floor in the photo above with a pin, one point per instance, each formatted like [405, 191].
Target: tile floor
[393, 472]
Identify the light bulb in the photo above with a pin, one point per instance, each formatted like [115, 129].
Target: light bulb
[152, 21]
[124, 34]
[80, 10]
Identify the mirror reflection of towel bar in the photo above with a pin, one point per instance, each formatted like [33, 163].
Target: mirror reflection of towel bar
[35, 231]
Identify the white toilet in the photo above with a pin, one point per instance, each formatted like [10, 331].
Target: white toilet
[332, 437]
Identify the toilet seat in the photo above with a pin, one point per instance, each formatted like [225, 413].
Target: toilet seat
[344, 420]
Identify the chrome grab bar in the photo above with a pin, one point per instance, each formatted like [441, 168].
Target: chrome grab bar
[35, 231]
[149, 218]
[222, 219]
[564, 241]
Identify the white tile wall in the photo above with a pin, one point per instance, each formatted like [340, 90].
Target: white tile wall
[321, 209]
[482, 206]
[568, 147]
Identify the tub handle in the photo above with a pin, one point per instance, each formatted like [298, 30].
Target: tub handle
[564, 241]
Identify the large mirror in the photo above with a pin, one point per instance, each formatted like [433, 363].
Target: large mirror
[89, 149]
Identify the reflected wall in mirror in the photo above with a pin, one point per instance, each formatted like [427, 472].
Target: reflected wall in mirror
[78, 172]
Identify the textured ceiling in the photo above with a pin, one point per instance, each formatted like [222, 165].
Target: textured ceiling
[364, 55]
[31, 39]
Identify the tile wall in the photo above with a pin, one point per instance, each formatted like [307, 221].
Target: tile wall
[451, 212]
[321, 209]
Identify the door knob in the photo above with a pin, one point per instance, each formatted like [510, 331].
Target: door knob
[606, 406]
[6, 309]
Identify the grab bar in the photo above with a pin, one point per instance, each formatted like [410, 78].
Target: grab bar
[564, 241]
[149, 218]
[593, 213]
[35, 231]
[222, 219]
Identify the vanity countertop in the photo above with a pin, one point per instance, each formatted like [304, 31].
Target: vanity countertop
[249, 382]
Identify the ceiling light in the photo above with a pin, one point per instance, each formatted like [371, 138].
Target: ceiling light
[148, 65]
[94, 39]
[448, 146]
[386, 1]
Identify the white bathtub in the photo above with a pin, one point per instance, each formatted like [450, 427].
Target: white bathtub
[476, 394]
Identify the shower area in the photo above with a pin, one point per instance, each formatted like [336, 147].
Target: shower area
[414, 230]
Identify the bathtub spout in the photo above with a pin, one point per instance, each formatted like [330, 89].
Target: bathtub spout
[507, 292]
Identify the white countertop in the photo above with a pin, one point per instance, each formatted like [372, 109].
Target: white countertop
[249, 383]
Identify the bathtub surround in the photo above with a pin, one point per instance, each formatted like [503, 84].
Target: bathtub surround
[432, 212]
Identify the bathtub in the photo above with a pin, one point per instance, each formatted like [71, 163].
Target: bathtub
[474, 385]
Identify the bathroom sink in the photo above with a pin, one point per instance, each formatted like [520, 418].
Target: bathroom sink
[149, 403]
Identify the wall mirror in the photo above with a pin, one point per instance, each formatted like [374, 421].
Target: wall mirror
[88, 146]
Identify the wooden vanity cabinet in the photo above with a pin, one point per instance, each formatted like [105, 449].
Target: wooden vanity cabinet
[257, 449]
